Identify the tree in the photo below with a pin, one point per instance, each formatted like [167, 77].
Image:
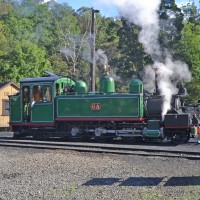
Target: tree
[60, 66]
[32, 21]
[171, 24]
[5, 8]
[132, 56]
[188, 49]
[25, 60]
[70, 40]
[107, 39]
[5, 40]
[190, 12]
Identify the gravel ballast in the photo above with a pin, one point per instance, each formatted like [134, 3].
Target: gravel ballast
[58, 174]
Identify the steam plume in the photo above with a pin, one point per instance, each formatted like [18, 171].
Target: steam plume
[145, 14]
[101, 58]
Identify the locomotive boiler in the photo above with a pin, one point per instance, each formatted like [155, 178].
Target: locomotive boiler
[55, 106]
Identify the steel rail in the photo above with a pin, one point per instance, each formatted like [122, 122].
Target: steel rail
[104, 148]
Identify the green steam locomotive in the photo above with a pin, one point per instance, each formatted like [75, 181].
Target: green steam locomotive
[55, 106]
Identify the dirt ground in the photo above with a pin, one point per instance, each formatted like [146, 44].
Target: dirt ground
[58, 174]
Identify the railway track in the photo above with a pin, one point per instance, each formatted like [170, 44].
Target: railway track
[180, 151]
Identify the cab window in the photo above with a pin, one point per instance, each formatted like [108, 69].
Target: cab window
[42, 93]
[57, 90]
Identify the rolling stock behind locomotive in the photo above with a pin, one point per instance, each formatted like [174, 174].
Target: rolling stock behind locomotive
[57, 106]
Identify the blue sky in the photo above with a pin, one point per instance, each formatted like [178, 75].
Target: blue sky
[105, 10]
[185, 1]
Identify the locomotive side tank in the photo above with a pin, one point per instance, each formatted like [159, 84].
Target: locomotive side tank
[108, 111]
[113, 107]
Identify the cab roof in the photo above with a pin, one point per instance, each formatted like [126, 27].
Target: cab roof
[51, 77]
[41, 79]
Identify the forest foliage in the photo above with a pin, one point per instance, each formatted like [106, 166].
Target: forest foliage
[35, 37]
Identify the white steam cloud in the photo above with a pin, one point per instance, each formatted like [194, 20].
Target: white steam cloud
[168, 74]
[101, 58]
[145, 14]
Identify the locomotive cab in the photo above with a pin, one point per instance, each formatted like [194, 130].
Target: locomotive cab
[34, 106]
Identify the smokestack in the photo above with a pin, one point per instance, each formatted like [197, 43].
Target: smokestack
[157, 91]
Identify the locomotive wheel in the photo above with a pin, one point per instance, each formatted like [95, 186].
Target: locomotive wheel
[138, 139]
[74, 132]
[180, 139]
[35, 136]
[188, 138]
[19, 134]
[176, 139]
[98, 132]
[102, 139]
[16, 135]
[108, 139]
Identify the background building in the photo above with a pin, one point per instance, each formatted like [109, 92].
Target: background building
[6, 89]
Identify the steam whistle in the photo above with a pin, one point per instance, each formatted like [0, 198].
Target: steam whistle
[106, 69]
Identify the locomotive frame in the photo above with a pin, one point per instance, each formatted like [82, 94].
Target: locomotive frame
[61, 112]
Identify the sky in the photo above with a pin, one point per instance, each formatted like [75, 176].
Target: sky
[104, 10]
